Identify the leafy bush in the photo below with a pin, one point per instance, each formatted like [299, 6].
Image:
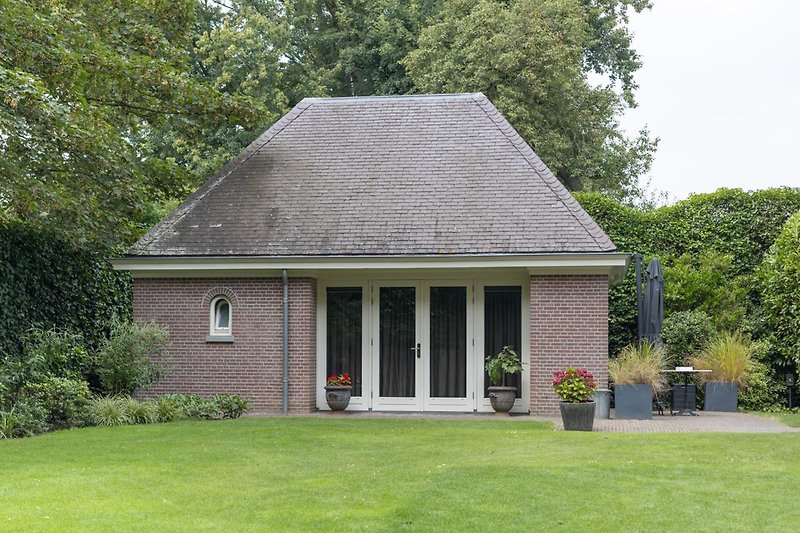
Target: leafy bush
[230, 405]
[779, 278]
[109, 411]
[685, 333]
[58, 353]
[133, 357]
[65, 401]
[729, 357]
[218, 407]
[639, 364]
[30, 418]
[764, 391]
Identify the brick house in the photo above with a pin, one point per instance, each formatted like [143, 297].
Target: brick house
[412, 236]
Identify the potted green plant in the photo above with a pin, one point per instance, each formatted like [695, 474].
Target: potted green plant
[338, 388]
[728, 356]
[575, 387]
[505, 363]
[636, 373]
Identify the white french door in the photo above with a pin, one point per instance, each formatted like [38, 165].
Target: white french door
[422, 346]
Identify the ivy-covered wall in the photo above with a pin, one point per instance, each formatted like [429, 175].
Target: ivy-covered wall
[710, 246]
[47, 282]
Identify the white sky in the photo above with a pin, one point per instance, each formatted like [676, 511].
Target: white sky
[720, 85]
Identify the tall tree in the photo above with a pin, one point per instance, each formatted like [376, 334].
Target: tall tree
[532, 58]
[81, 83]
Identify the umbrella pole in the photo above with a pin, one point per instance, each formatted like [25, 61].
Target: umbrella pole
[638, 259]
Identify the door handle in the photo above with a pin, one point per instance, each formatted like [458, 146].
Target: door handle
[417, 350]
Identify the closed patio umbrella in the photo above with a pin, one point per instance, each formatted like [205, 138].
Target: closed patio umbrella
[653, 303]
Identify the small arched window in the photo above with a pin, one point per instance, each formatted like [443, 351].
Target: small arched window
[221, 316]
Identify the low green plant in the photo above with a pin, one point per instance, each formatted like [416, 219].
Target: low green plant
[639, 364]
[504, 363]
[8, 423]
[574, 385]
[58, 353]
[729, 356]
[133, 357]
[30, 418]
[167, 409]
[764, 391]
[140, 412]
[230, 405]
[109, 411]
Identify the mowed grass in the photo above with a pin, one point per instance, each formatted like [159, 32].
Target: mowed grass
[357, 473]
[790, 419]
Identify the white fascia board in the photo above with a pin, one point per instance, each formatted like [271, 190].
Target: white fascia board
[613, 264]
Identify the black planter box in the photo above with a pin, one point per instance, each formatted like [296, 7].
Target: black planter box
[721, 396]
[633, 402]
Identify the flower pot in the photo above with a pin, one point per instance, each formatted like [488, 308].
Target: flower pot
[338, 396]
[721, 396]
[602, 398]
[577, 416]
[633, 401]
[502, 399]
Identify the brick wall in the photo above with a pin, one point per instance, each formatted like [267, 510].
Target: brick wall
[568, 327]
[252, 366]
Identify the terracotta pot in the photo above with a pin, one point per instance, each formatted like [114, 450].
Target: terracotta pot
[338, 396]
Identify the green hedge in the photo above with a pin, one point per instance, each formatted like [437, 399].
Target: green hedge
[710, 245]
[48, 282]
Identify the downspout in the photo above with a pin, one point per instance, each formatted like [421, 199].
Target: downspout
[285, 342]
[638, 258]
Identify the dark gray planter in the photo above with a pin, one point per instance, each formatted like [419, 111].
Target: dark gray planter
[633, 402]
[577, 416]
[721, 396]
[338, 397]
[502, 399]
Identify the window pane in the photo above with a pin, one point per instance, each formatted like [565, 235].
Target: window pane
[397, 325]
[344, 334]
[223, 314]
[502, 326]
[448, 342]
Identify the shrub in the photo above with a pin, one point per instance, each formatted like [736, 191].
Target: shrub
[779, 279]
[764, 392]
[728, 356]
[109, 411]
[65, 401]
[639, 364]
[133, 357]
[685, 333]
[139, 412]
[30, 418]
[58, 353]
[220, 406]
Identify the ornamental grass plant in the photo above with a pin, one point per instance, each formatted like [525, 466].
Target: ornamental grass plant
[728, 356]
[639, 364]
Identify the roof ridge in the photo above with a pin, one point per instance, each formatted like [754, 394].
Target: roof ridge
[547, 176]
[373, 97]
[187, 205]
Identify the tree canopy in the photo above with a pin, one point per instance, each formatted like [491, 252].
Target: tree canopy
[109, 111]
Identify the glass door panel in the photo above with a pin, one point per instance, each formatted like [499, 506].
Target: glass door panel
[448, 342]
[502, 327]
[397, 340]
[344, 342]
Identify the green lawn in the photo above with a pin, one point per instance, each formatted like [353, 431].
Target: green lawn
[790, 419]
[345, 474]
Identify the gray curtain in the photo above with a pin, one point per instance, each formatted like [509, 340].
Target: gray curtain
[502, 325]
[448, 322]
[344, 334]
[397, 334]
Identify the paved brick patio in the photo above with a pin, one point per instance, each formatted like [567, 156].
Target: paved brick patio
[703, 422]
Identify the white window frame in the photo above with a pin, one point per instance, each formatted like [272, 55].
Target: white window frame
[216, 334]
